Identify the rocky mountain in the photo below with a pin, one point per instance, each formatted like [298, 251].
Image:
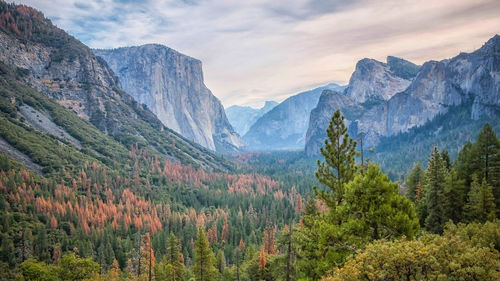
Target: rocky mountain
[47, 59]
[243, 117]
[171, 85]
[375, 80]
[469, 80]
[285, 126]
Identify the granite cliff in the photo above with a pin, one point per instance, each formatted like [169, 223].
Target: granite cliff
[171, 85]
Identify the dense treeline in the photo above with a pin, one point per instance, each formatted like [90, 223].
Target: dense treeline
[155, 224]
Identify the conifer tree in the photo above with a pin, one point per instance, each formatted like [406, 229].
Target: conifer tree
[204, 259]
[415, 177]
[486, 160]
[435, 177]
[221, 261]
[339, 166]
[171, 268]
[455, 196]
[446, 158]
[375, 208]
[481, 205]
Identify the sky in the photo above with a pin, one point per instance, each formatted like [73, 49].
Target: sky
[256, 50]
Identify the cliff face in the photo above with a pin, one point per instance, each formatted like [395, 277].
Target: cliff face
[171, 85]
[58, 65]
[243, 117]
[285, 126]
[374, 80]
[469, 79]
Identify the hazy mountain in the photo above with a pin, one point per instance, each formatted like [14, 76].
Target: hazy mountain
[171, 85]
[285, 126]
[243, 117]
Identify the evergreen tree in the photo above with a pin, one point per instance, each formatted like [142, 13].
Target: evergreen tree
[171, 268]
[486, 160]
[463, 164]
[375, 209]
[481, 205]
[455, 196]
[414, 179]
[446, 158]
[283, 267]
[339, 166]
[221, 261]
[204, 259]
[435, 177]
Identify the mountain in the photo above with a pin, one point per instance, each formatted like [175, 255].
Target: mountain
[46, 59]
[375, 80]
[243, 117]
[285, 126]
[171, 85]
[449, 95]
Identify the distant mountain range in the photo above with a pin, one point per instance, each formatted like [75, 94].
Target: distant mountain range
[403, 109]
[171, 85]
[243, 117]
[284, 127]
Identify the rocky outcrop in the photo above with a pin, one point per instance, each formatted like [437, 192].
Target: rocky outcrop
[374, 80]
[243, 117]
[469, 79]
[285, 126]
[171, 85]
[49, 60]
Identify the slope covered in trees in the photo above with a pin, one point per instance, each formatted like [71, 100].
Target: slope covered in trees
[166, 221]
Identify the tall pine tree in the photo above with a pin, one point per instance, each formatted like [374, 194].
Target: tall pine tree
[204, 259]
[414, 179]
[435, 178]
[339, 166]
[481, 205]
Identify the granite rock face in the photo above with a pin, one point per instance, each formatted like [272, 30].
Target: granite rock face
[285, 126]
[243, 117]
[53, 62]
[417, 94]
[375, 80]
[171, 85]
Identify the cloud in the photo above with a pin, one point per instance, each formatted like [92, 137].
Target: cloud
[260, 50]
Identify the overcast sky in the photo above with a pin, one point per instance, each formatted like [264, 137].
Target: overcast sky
[256, 50]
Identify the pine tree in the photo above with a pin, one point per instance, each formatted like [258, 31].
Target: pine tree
[204, 259]
[455, 195]
[446, 158]
[375, 208]
[221, 261]
[339, 166]
[434, 193]
[171, 268]
[486, 160]
[481, 205]
[415, 177]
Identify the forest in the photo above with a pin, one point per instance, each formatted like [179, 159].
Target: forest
[271, 218]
